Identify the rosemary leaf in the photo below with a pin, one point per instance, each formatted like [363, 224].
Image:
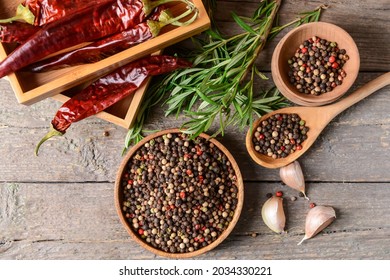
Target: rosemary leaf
[243, 25]
[260, 74]
[205, 97]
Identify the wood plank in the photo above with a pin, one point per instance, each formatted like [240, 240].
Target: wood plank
[78, 221]
[341, 246]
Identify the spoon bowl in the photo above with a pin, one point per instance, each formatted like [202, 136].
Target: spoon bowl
[316, 119]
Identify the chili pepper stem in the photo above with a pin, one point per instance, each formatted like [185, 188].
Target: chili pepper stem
[22, 13]
[166, 18]
[150, 5]
[53, 132]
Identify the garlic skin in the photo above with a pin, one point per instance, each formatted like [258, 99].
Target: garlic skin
[317, 219]
[292, 176]
[273, 215]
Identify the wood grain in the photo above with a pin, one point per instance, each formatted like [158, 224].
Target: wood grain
[60, 205]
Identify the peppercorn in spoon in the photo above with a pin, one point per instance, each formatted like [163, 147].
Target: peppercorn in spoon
[315, 118]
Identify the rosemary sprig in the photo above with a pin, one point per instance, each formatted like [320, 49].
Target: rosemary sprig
[220, 86]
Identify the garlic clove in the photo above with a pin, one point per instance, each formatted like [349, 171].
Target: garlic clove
[273, 215]
[292, 176]
[317, 219]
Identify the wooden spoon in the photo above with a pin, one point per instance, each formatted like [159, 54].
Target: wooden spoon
[316, 119]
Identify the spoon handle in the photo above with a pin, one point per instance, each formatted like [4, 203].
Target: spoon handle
[359, 94]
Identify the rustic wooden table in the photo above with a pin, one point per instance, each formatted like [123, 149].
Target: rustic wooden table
[60, 205]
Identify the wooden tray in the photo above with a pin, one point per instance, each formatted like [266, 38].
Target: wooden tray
[33, 87]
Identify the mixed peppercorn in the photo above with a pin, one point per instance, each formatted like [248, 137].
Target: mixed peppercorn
[179, 195]
[280, 135]
[317, 66]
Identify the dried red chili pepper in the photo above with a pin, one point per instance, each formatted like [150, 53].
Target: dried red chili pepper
[36, 13]
[16, 32]
[41, 12]
[112, 44]
[46, 11]
[83, 26]
[108, 90]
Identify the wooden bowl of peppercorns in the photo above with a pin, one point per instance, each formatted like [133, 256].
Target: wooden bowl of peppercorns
[315, 64]
[179, 197]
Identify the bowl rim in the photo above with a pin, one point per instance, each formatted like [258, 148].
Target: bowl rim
[140, 241]
[306, 99]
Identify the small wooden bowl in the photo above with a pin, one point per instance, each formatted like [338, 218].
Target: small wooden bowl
[286, 49]
[119, 199]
